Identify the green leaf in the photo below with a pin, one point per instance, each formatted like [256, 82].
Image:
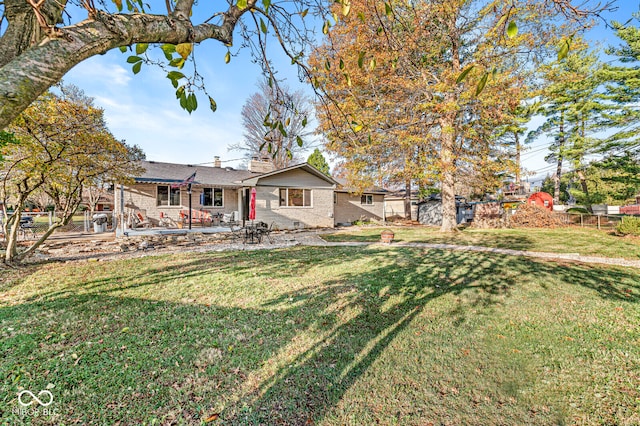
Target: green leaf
[304, 122]
[136, 67]
[134, 59]
[242, 4]
[464, 74]
[304, 13]
[299, 141]
[372, 64]
[192, 103]
[565, 46]
[262, 146]
[141, 48]
[118, 4]
[168, 50]
[123, 49]
[482, 83]
[177, 62]
[180, 92]
[266, 4]
[325, 28]
[361, 59]
[212, 104]
[282, 129]
[512, 29]
[227, 57]
[341, 64]
[327, 65]
[124, 330]
[348, 78]
[289, 154]
[175, 75]
[388, 10]
[263, 26]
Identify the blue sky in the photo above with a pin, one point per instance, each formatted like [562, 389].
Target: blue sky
[142, 108]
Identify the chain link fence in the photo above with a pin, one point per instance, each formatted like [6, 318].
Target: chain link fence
[33, 224]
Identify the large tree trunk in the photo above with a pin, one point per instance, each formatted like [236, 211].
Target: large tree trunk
[585, 188]
[407, 199]
[558, 176]
[518, 149]
[449, 222]
[12, 238]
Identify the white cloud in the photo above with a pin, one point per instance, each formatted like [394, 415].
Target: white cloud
[100, 71]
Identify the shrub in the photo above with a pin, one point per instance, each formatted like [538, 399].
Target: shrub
[578, 210]
[630, 225]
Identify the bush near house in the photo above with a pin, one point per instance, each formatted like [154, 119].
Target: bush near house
[630, 225]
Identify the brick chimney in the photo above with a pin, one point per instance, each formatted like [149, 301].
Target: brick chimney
[217, 162]
[258, 165]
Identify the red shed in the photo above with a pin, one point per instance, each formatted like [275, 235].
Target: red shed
[541, 199]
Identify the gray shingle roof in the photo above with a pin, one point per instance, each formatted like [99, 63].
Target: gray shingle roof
[157, 172]
[343, 187]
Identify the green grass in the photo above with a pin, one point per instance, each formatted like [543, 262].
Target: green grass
[585, 241]
[327, 336]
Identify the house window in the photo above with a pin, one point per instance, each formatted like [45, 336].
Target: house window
[168, 196]
[366, 199]
[293, 197]
[212, 197]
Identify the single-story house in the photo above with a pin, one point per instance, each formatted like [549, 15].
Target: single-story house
[352, 205]
[395, 204]
[299, 196]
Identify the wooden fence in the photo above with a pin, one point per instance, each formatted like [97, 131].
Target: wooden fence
[590, 220]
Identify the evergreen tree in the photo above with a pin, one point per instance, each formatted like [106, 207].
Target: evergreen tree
[317, 160]
[573, 109]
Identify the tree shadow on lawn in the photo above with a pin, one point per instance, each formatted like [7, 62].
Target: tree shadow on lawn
[386, 300]
[434, 236]
[45, 282]
[290, 359]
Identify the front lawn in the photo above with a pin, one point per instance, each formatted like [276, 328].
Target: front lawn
[326, 336]
[585, 241]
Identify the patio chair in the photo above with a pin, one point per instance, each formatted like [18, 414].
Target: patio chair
[139, 221]
[265, 230]
[230, 219]
[237, 233]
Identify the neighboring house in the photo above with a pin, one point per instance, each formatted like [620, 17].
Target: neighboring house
[395, 208]
[103, 201]
[297, 196]
[351, 206]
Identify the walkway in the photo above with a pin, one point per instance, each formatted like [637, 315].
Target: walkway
[315, 240]
[104, 246]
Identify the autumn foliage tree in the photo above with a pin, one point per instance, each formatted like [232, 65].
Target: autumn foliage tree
[62, 146]
[417, 90]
